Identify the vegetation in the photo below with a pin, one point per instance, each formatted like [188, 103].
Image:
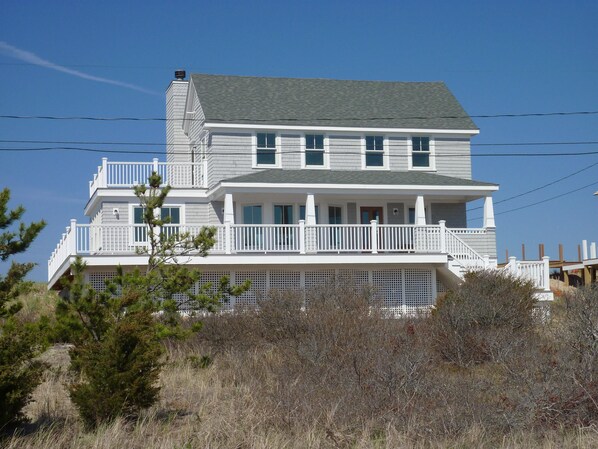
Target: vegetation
[20, 373]
[117, 332]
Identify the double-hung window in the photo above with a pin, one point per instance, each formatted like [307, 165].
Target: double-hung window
[374, 151]
[420, 152]
[314, 150]
[266, 149]
[171, 216]
[139, 225]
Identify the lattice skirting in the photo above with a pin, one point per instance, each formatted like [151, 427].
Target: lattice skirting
[398, 289]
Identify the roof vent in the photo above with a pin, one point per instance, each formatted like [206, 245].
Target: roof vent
[180, 74]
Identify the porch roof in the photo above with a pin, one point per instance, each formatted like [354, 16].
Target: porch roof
[357, 177]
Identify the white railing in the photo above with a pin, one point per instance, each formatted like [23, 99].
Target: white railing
[269, 238]
[128, 174]
[536, 271]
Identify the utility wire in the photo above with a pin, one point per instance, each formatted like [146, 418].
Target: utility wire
[542, 201]
[394, 144]
[244, 152]
[299, 119]
[539, 188]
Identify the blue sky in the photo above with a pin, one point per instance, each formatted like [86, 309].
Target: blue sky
[496, 57]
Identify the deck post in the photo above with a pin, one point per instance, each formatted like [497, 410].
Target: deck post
[584, 249]
[593, 250]
[546, 273]
[513, 265]
[486, 258]
[442, 224]
[227, 238]
[374, 236]
[104, 176]
[489, 221]
[301, 236]
[72, 245]
[310, 221]
[155, 167]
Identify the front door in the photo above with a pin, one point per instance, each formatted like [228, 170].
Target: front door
[369, 213]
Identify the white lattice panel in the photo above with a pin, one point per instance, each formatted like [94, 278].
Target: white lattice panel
[285, 280]
[257, 290]
[315, 279]
[388, 287]
[418, 288]
[440, 287]
[361, 278]
[98, 280]
[213, 277]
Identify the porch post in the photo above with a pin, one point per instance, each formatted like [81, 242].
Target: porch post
[442, 224]
[310, 210]
[546, 272]
[310, 221]
[104, 174]
[489, 213]
[73, 237]
[420, 211]
[229, 214]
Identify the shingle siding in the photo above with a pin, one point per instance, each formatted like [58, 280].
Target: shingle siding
[197, 213]
[291, 151]
[177, 143]
[229, 155]
[345, 152]
[484, 245]
[453, 157]
[398, 153]
[453, 213]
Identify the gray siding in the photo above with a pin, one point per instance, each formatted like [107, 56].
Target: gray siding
[229, 156]
[291, 151]
[453, 157]
[351, 213]
[215, 215]
[397, 151]
[177, 143]
[345, 152]
[453, 213]
[108, 217]
[484, 245]
[197, 213]
[395, 219]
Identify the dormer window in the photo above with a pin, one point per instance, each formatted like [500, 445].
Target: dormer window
[420, 152]
[266, 149]
[374, 151]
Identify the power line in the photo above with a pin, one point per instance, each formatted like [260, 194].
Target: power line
[539, 188]
[394, 144]
[300, 119]
[542, 201]
[244, 152]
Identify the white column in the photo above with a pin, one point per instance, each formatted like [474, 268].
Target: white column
[546, 272]
[584, 249]
[420, 211]
[489, 213]
[442, 224]
[310, 210]
[229, 214]
[593, 250]
[73, 237]
[374, 236]
[104, 175]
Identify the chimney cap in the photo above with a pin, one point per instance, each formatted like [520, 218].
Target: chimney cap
[180, 74]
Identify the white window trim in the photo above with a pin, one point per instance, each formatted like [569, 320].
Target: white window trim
[277, 153]
[132, 207]
[432, 166]
[326, 165]
[385, 157]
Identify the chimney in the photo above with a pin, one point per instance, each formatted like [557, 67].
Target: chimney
[176, 139]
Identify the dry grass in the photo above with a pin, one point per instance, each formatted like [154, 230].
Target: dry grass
[285, 378]
[210, 408]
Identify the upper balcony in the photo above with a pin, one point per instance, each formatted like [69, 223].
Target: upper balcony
[129, 174]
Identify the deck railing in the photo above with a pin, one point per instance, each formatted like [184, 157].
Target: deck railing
[88, 239]
[128, 174]
[536, 271]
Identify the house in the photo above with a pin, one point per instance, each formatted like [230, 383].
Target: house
[305, 179]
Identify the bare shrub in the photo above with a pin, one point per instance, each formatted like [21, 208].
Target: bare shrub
[486, 318]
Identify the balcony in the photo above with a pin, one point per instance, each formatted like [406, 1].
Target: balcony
[301, 239]
[129, 174]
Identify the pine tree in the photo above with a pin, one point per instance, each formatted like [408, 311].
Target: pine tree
[19, 344]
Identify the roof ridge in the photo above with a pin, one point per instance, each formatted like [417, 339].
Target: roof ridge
[315, 79]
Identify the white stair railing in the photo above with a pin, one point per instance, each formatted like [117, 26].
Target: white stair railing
[461, 252]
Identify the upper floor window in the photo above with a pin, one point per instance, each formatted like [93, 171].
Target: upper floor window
[374, 151]
[420, 152]
[314, 150]
[266, 149]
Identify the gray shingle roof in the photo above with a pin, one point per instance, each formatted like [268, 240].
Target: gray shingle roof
[276, 176]
[326, 102]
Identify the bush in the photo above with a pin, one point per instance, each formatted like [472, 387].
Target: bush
[119, 373]
[485, 318]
